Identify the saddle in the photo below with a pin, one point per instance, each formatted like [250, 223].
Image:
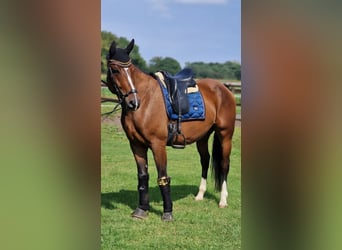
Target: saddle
[177, 87]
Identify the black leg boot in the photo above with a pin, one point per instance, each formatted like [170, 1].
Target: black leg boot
[141, 211]
[164, 185]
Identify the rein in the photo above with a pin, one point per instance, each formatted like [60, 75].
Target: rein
[116, 107]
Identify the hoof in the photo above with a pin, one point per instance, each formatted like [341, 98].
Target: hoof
[167, 216]
[140, 214]
[223, 205]
[199, 198]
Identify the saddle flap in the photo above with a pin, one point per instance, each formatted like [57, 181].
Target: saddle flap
[179, 91]
[180, 102]
[177, 86]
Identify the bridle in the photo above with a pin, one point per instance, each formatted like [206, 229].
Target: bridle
[125, 66]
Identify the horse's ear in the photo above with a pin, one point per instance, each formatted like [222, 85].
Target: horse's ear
[130, 46]
[112, 49]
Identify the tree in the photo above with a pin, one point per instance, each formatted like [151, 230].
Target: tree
[167, 64]
[234, 68]
[106, 40]
[227, 70]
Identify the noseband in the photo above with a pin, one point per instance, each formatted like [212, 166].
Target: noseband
[125, 66]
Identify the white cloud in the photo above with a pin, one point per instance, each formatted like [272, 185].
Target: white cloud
[160, 6]
[163, 6]
[201, 1]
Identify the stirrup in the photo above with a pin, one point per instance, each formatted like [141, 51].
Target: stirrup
[179, 146]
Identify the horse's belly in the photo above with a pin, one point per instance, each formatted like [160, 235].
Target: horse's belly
[195, 130]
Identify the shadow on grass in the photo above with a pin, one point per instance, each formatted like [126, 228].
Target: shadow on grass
[130, 198]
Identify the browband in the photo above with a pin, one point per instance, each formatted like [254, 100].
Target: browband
[121, 64]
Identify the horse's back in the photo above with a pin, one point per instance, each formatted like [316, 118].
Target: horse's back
[216, 92]
[220, 102]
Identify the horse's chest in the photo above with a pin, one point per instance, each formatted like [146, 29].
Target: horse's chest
[132, 130]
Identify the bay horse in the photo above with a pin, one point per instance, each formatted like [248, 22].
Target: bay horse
[145, 122]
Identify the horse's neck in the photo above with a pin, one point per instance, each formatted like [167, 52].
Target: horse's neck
[145, 83]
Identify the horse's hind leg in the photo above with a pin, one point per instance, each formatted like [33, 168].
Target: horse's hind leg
[202, 148]
[225, 165]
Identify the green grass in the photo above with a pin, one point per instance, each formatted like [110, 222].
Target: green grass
[105, 92]
[238, 109]
[238, 98]
[197, 225]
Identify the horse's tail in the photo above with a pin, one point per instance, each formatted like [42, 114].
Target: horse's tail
[216, 162]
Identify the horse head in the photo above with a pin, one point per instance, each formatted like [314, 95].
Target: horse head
[120, 75]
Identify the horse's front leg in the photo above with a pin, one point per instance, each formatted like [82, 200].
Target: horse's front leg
[164, 181]
[140, 155]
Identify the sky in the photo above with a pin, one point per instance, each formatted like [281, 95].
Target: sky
[186, 30]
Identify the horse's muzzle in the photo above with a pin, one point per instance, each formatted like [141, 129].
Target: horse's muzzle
[133, 104]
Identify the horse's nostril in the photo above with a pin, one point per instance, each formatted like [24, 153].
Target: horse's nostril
[133, 105]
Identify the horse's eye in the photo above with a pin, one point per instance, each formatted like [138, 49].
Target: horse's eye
[115, 71]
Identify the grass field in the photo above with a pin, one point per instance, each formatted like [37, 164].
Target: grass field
[197, 225]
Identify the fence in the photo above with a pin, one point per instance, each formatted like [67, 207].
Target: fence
[235, 87]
